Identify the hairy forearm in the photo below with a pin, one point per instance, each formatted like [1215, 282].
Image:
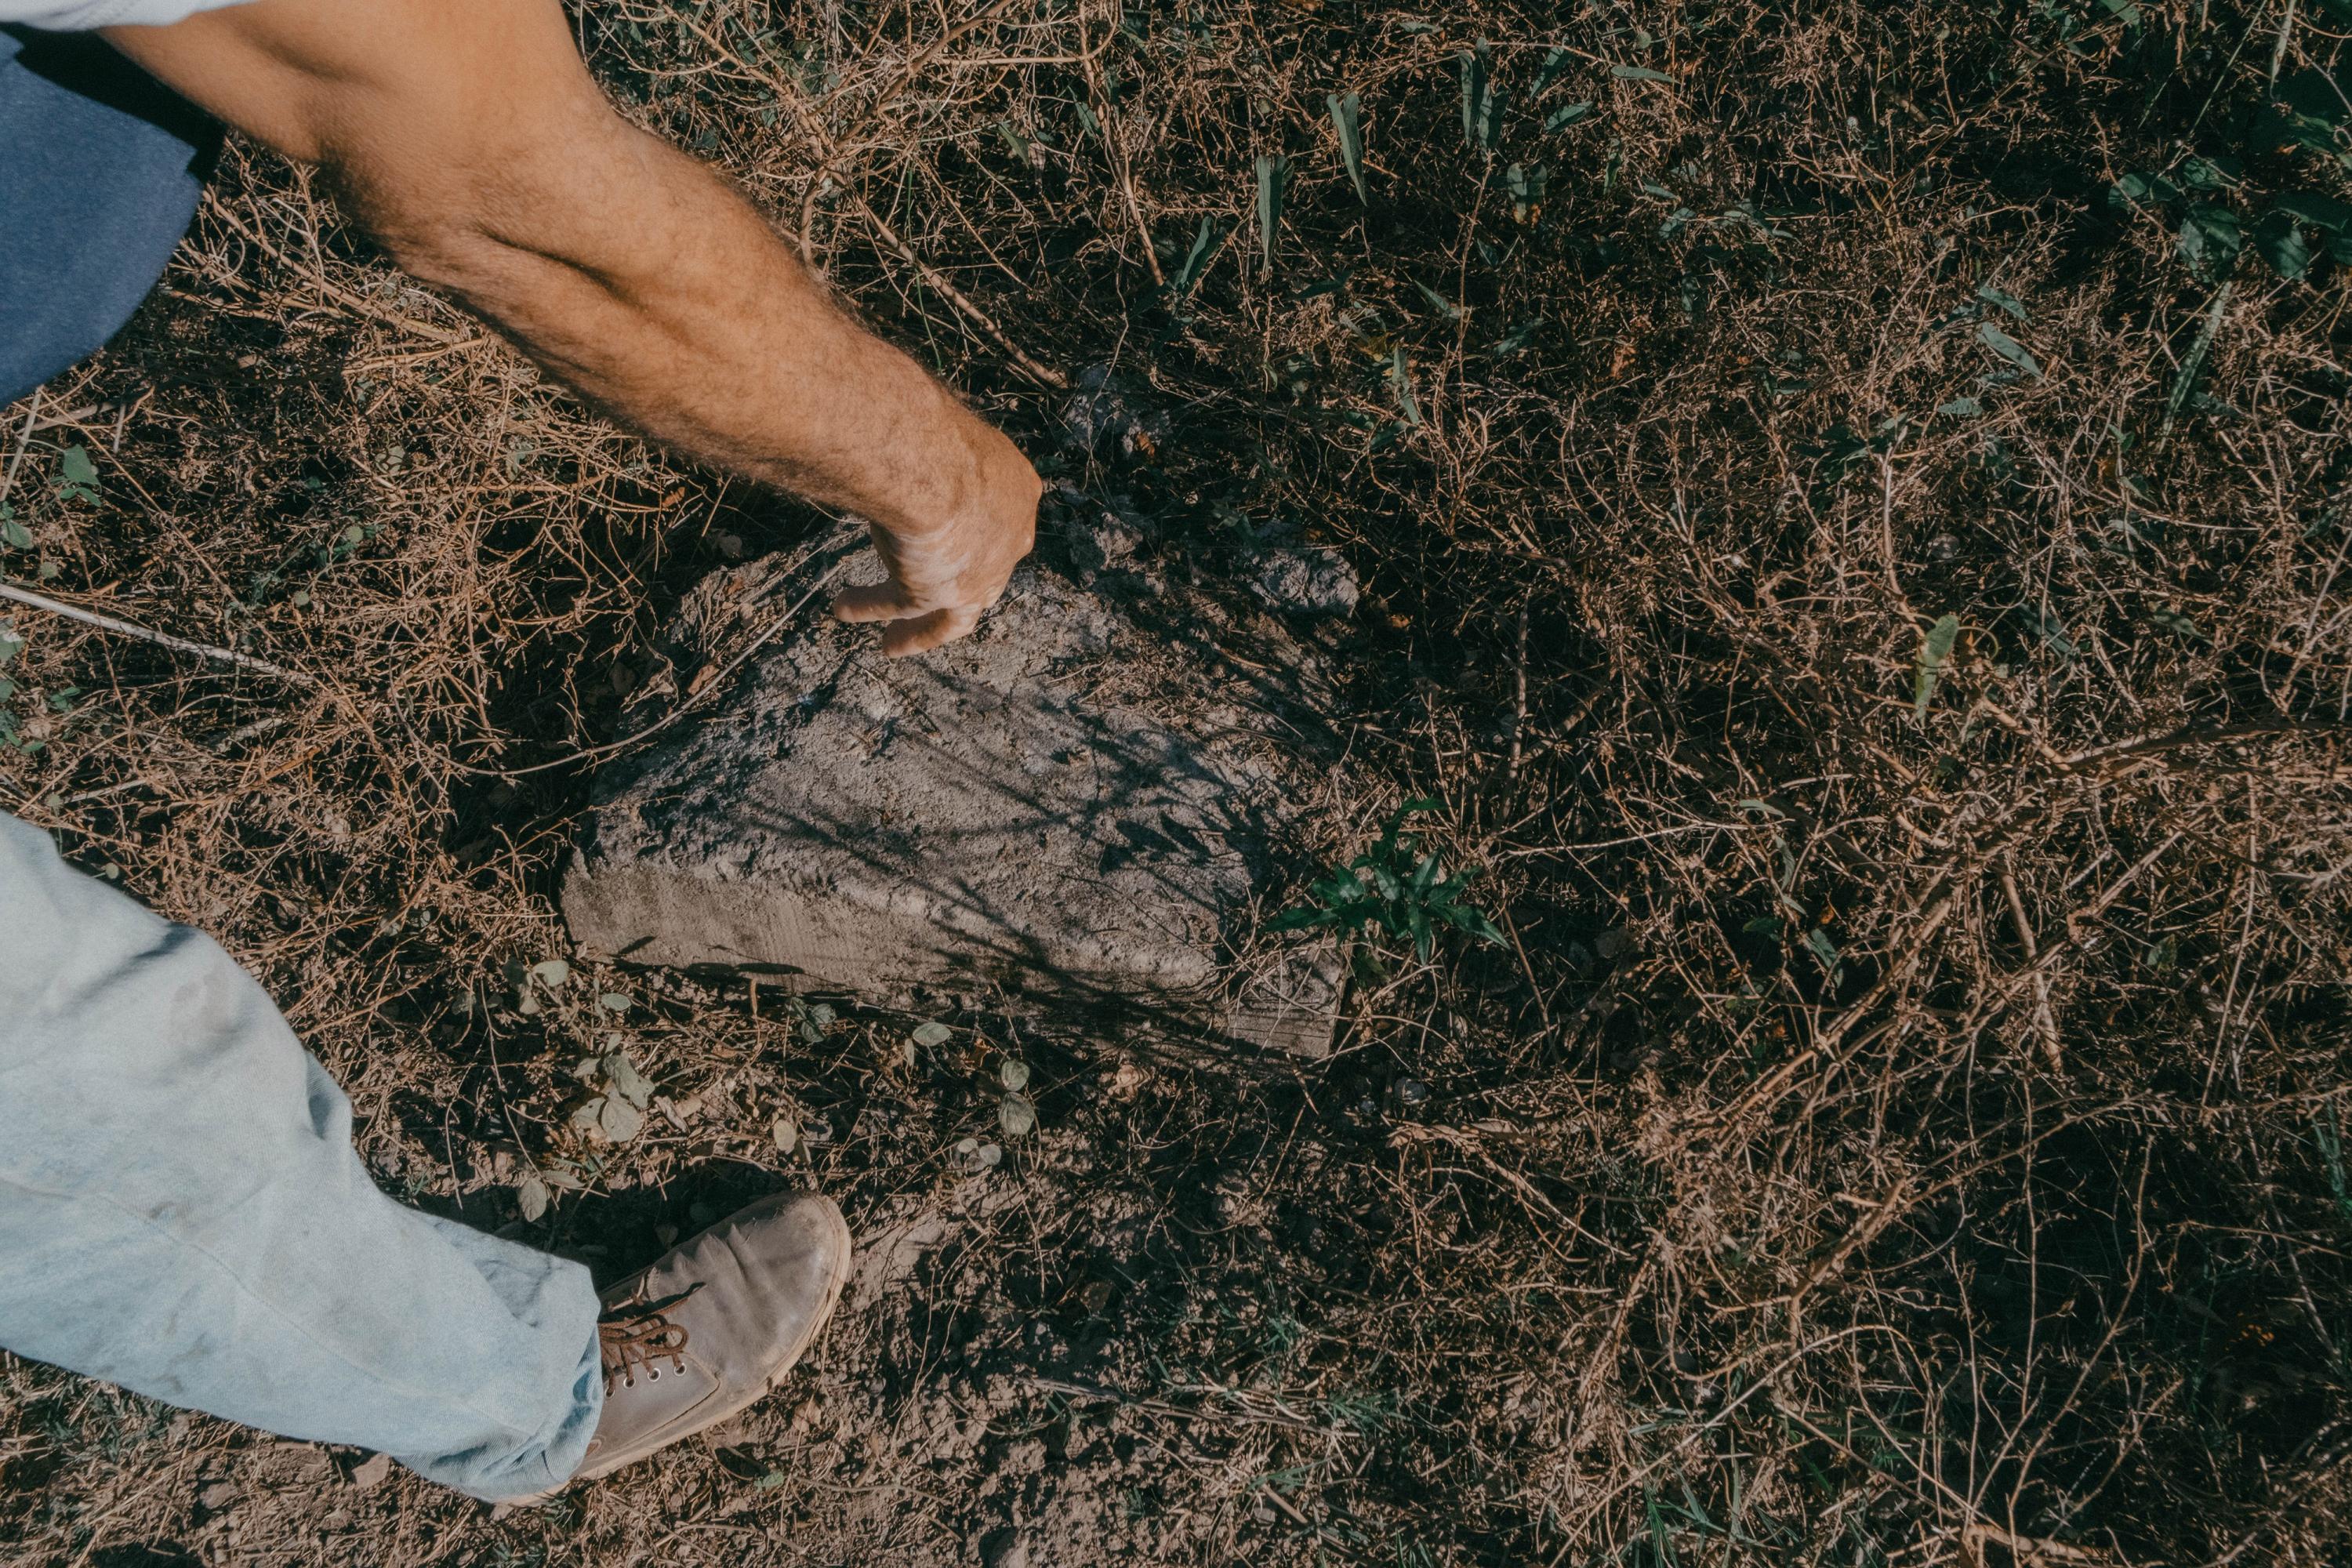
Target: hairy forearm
[645, 281]
[467, 135]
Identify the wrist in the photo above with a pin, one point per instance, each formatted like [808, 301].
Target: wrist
[979, 477]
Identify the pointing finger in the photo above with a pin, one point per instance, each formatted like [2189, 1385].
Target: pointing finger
[881, 602]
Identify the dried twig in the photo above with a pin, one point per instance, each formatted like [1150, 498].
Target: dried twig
[162, 639]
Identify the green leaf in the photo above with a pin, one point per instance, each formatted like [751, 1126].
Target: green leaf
[531, 1196]
[1196, 261]
[1016, 1113]
[627, 1082]
[1933, 649]
[77, 479]
[2318, 210]
[2143, 193]
[2210, 239]
[551, 972]
[1477, 923]
[2053, 631]
[2280, 239]
[618, 1120]
[1560, 119]
[1490, 120]
[2007, 301]
[1401, 373]
[1273, 174]
[1521, 334]
[2184, 383]
[1556, 65]
[2314, 95]
[2210, 174]
[1527, 183]
[1013, 1074]
[2009, 348]
[932, 1035]
[1445, 306]
[1347, 119]
[1823, 949]
[1474, 91]
[1638, 73]
[16, 534]
[613, 1002]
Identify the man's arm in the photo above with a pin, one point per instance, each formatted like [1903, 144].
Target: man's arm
[468, 137]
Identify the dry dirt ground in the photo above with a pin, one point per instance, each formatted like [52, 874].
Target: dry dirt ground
[1852, 504]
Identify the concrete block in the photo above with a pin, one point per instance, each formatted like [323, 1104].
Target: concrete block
[1074, 807]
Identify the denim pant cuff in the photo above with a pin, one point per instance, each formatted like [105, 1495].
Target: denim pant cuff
[182, 1212]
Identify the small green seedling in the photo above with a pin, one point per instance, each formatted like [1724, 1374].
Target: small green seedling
[78, 476]
[1397, 887]
[1400, 379]
[1205, 245]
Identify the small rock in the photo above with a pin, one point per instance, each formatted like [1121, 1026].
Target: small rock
[1004, 1549]
[1097, 538]
[1107, 406]
[1310, 580]
[730, 1434]
[370, 1472]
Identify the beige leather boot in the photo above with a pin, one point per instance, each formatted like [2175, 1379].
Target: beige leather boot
[714, 1324]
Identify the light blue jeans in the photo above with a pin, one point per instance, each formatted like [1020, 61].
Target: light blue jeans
[182, 1212]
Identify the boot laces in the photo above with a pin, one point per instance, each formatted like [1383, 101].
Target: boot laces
[636, 1336]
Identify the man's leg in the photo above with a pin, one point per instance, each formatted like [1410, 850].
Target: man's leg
[182, 1212]
[99, 176]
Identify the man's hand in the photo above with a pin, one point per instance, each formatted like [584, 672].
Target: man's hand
[940, 580]
[468, 137]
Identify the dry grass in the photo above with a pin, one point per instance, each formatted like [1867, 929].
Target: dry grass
[1905, 1139]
